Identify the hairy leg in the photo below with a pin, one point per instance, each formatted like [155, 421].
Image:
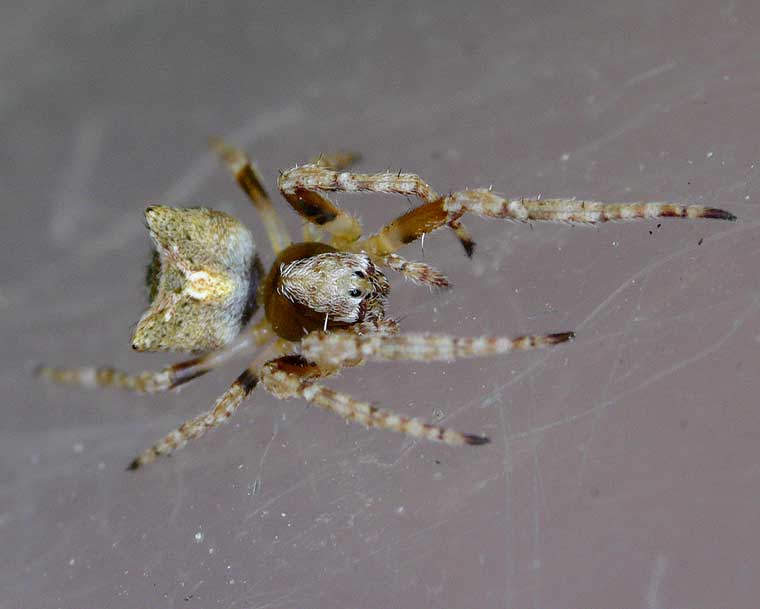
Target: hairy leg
[296, 186]
[292, 377]
[337, 161]
[301, 187]
[153, 381]
[490, 205]
[417, 272]
[223, 409]
[444, 210]
[336, 348]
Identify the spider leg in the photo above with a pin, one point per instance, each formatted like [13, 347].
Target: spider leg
[197, 426]
[336, 161]
[301, 187]
[222, 410]
[490, 205]
[483, 202]
[291, 377]
[250, 181]
[336, 349]
[297, 185]
[417, 272]
[153, 381]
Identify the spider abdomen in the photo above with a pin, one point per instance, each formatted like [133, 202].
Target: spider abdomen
[202, 279]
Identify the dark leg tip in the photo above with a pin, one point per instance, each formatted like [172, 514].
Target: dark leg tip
[180, 379]
[441, 283]
[134, 465]
[476, 440]
[719, 214]
[560, 337]
[469, 247]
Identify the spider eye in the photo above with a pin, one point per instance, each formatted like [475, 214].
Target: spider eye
[354, 293]
[359, 274]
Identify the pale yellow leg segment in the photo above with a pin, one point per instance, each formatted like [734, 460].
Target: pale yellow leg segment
[311, 233]
[336, 348]
[250, 181]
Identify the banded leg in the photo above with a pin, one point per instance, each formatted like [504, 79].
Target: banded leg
[197, 426]
[445, 210]
[485, 203]
[153, 381]
[301, 187]
[223, 409]
[337, 161]
[336, 349]
[296, 186]
[250, 181]
[291, 377]
[417, 272]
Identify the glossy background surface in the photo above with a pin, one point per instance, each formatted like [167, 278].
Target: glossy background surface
[624, 469]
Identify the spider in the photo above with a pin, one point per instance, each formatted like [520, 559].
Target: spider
[323, 303]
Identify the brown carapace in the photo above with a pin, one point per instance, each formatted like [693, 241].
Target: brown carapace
[323, 303]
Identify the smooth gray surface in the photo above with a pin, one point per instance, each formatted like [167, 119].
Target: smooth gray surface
[624, 469]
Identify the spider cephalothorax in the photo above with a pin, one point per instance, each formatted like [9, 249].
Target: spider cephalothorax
[312, 286]
[324, 304]
[346, 287]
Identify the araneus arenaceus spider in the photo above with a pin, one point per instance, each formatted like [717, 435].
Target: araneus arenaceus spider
[324, 305]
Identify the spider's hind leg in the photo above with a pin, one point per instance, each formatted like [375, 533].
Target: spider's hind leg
[223, 409]
[154, 381]
[250, 181]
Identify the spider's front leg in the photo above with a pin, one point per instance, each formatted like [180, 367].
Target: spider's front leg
[338, 348]
[301, 187]
[485, 203]
[293, 377]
